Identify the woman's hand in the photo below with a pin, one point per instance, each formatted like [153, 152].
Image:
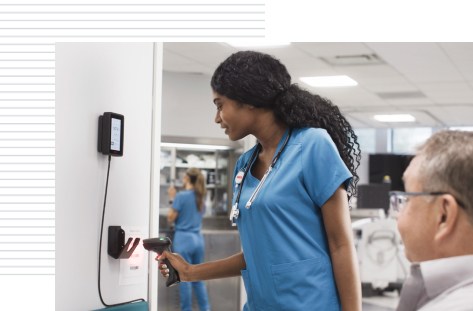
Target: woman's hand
[179, 264]
[230, 266]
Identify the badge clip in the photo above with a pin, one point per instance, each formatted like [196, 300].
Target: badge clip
[234, 214]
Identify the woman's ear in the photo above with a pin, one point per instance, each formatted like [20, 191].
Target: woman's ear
[249, 106]
[447, 218]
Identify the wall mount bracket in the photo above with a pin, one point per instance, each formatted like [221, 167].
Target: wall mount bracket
[117, 248]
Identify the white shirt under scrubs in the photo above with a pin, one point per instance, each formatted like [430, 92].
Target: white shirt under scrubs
[439, 285]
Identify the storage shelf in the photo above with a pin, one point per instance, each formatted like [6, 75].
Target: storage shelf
[202, 167]
[212, 186]
[214, 164]
[208, 186]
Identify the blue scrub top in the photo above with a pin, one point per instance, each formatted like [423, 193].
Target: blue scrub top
[284, 242]
[189, 219]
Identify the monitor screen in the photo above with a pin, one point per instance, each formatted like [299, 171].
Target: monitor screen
[392, 165]
[374, 196]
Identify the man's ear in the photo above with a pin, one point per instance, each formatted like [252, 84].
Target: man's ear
[447, 216]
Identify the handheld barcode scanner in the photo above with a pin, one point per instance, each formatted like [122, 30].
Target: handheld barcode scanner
[159, 245]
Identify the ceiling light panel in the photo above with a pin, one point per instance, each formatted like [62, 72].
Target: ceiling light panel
[394, 118]
[329, 81]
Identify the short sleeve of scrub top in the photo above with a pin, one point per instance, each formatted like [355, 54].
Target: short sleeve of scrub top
[324, 170]
[177, 203]
[189, 219]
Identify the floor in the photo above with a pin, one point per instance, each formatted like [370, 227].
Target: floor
[386, 302]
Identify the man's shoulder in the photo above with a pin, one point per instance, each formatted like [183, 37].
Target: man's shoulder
[457, 298]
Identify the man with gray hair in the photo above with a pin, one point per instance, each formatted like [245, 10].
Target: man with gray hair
[435, 220]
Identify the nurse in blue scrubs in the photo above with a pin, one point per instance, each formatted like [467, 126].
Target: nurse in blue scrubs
[291, 191]
[186, 214]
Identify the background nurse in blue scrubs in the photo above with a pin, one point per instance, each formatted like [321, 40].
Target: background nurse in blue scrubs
[186, 214]
[291, 191]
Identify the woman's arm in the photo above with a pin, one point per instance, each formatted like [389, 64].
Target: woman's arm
[172, 215]
[222, 268]
[342, 249]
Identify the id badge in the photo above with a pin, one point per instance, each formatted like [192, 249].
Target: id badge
[234, 214]
[239, 177]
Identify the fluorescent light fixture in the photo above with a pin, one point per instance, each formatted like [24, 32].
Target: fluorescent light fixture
[258, 44]
[394, 118]
[195, 146]
[461, 128]
[329, 81]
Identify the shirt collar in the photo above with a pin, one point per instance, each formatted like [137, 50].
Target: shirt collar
[442, 274]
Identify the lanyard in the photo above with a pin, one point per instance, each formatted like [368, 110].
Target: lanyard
[235, 211]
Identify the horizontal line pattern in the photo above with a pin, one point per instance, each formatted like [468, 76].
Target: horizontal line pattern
[27, 158]
[27, 103]
[144, 20]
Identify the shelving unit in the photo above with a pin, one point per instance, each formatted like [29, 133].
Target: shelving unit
[217, 167]
[221, 239]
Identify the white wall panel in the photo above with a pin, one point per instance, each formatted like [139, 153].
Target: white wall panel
[93, 78]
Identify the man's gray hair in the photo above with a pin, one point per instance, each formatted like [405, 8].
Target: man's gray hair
[447, 165]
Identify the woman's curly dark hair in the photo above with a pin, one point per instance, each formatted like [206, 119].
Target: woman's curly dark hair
[262, 81]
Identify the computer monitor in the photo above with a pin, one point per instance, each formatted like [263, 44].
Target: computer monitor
[374, 196]
[392, 165]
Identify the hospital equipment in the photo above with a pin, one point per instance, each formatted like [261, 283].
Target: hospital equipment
[383, 265]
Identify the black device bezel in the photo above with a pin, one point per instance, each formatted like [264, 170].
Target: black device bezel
[104, 133]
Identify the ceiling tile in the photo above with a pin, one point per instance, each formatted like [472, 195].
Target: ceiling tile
[454, 116]
[418, 62]
[207, 54]
[444, 93]
[423, 118]
[443, 72]
[349, 97]
[318, 49]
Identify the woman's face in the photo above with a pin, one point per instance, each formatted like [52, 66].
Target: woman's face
[235, 118]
